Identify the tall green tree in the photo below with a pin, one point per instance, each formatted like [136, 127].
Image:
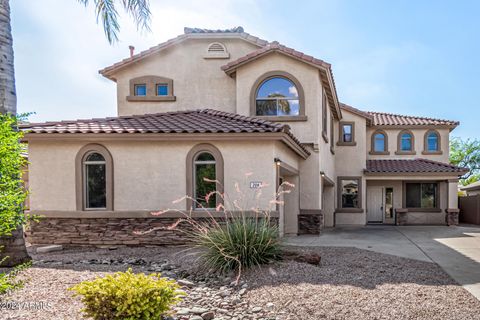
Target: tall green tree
[466, 154]
[106, 12]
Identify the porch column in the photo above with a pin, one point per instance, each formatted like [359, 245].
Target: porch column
[452, 207]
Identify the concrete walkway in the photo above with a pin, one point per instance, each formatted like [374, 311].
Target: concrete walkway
[455, 249]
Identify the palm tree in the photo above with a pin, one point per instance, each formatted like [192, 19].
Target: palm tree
[14, 246]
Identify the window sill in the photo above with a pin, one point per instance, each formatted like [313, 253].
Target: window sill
[432, 152]
[349, 144]
[424, 210]
[405, 153]
[283, 118]
[379, 153]
[150, 98]
[349, 210]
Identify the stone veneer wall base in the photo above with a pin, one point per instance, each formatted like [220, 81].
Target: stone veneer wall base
[111, 231]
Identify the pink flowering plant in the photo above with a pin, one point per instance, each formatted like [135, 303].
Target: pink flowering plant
[238, 233]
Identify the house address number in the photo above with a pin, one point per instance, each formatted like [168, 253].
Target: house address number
[255, 184]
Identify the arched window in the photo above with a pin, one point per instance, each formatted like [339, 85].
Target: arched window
[379, 143]
[204, 175]
[405, 141]
[94, 174]
[204, 167]
[277, 94]
[432, 141]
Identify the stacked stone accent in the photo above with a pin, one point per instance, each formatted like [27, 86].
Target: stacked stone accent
[14, 248]
[452, 217]
[111, 231]
[310, 223]
[401, 216]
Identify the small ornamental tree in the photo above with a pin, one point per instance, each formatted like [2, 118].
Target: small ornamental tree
[12, 162]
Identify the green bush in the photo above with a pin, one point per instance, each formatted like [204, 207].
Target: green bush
[125, 295]
[8, 280]
[241, 243]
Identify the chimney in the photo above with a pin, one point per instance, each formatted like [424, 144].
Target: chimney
[132, 50]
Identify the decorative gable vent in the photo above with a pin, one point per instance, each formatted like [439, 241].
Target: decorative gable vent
[216, 50]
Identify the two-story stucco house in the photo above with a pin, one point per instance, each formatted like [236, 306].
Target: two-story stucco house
[220, 104]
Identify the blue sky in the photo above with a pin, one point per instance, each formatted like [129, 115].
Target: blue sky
[408, 57]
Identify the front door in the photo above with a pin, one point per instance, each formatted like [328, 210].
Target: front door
[375, 204]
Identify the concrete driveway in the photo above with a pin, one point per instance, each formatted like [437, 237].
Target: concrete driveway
[455, 249]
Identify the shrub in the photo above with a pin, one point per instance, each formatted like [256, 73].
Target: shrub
[240, 243]
[125, 295]
[8, 280]
[246, 236]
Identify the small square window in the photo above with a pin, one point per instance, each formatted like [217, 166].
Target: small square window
[162, 89]
[140, 89]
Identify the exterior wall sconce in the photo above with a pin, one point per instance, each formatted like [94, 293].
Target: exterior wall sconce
[277, 161]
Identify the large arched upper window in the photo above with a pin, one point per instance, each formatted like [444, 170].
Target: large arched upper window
[432, 141]
[204, 177]
[277, 94]
[94, 178]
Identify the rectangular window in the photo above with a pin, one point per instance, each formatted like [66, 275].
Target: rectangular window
[347, 135]
[349, 189]
[421, 195]
[162, 89]
[140, 89]
[388, 203]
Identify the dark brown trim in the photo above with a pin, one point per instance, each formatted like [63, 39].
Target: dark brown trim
[219, 170]
[332, 135]
[272, 74]
[125, 214]
[79, 175]
[324, 117]
[339, 194]
[425, 143]
[437, 196]
[349, 210]
[340, 134]
[240, 136]
[151, 84]
[310, 212]
[372, 143]
[283, 118]
[399, 143]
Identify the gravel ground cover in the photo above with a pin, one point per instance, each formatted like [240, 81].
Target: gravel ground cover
[349, 284]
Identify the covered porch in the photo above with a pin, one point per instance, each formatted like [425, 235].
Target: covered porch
[407, 192]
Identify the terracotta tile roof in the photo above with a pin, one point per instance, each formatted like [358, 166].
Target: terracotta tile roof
[274, 46]
[390, 119]
[356, 111]
[325, 67]
[400, 166]
[188, 33]
[195, 121]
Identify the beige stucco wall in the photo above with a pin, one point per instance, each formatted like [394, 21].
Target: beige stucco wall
[419, 135]
[350, 161]
[148, 175]
[198, 83]
[309, 78]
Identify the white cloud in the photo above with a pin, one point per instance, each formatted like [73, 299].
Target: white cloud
[293, 90]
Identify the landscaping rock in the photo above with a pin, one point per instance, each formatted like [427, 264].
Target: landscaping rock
[51, 248]
[303, 257]
[208, 315]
